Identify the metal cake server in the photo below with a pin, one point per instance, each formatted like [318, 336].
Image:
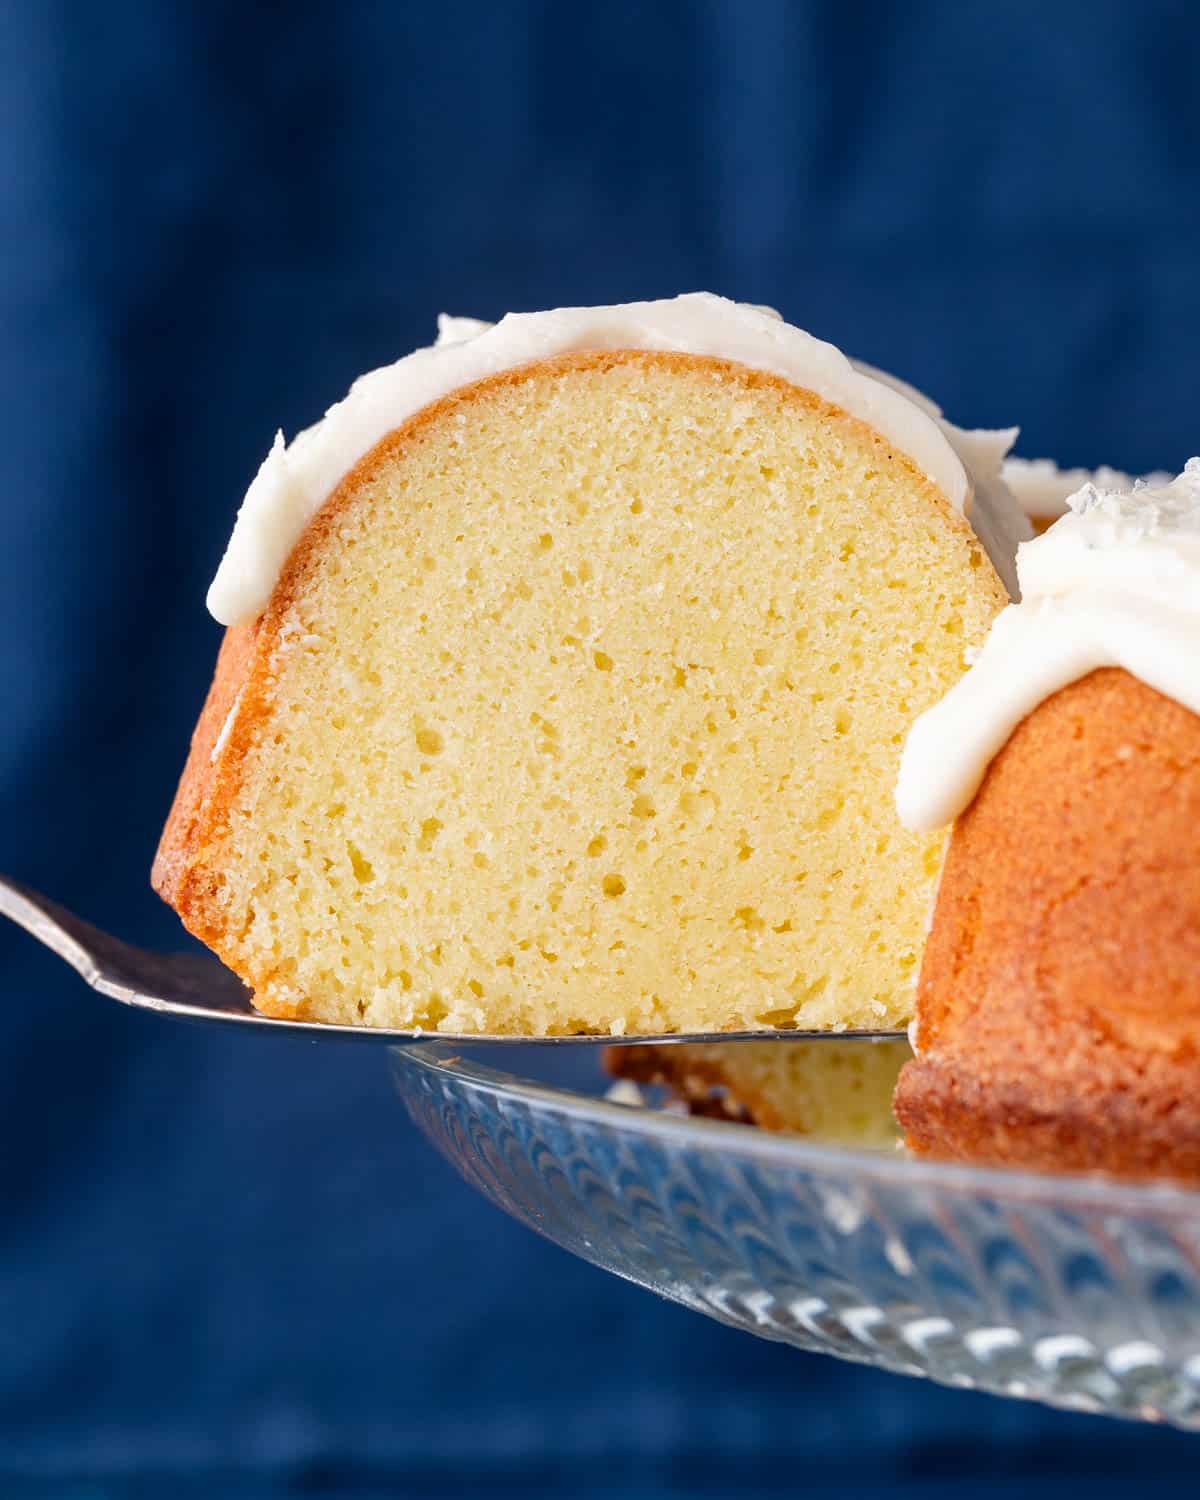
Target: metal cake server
[197, 987]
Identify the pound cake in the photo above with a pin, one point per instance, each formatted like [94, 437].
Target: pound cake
[1058, 1007]
[837, 1091]
[567, 670]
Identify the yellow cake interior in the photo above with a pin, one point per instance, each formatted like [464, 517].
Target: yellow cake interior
[587, 702]
[840, 1092]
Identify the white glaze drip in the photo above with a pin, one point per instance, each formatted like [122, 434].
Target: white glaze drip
[1115, 583]
[1043, 489]
[295, 479]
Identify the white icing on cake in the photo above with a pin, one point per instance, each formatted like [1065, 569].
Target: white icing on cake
[1115, 583]
[452, 330]
[1043, 489]
[222, 738]
[295, 479]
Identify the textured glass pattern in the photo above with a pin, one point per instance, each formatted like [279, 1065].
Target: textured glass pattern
[1081, 1292]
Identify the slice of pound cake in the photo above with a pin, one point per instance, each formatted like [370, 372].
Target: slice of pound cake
[568, 668]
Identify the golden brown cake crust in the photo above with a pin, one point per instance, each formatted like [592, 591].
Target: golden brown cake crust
[192, 807]
[1058, 1005]
[699, 1081]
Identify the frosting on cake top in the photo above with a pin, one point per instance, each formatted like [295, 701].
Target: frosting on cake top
[1115, 583]
[296, 478]
[1043, 489]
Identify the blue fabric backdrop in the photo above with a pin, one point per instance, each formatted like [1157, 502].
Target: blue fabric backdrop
[229, 1266]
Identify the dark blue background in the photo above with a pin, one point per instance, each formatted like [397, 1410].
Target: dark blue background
[229, 1266]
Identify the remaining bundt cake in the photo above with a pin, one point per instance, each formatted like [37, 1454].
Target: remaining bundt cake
[568, 668]
[839, 1091]
[1058, 1009]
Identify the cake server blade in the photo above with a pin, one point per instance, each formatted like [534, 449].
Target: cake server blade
[198, 987]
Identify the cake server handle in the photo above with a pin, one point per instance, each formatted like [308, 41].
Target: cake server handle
[198, 987]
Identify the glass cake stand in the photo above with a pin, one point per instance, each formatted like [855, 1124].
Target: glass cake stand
[1083, 1292]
